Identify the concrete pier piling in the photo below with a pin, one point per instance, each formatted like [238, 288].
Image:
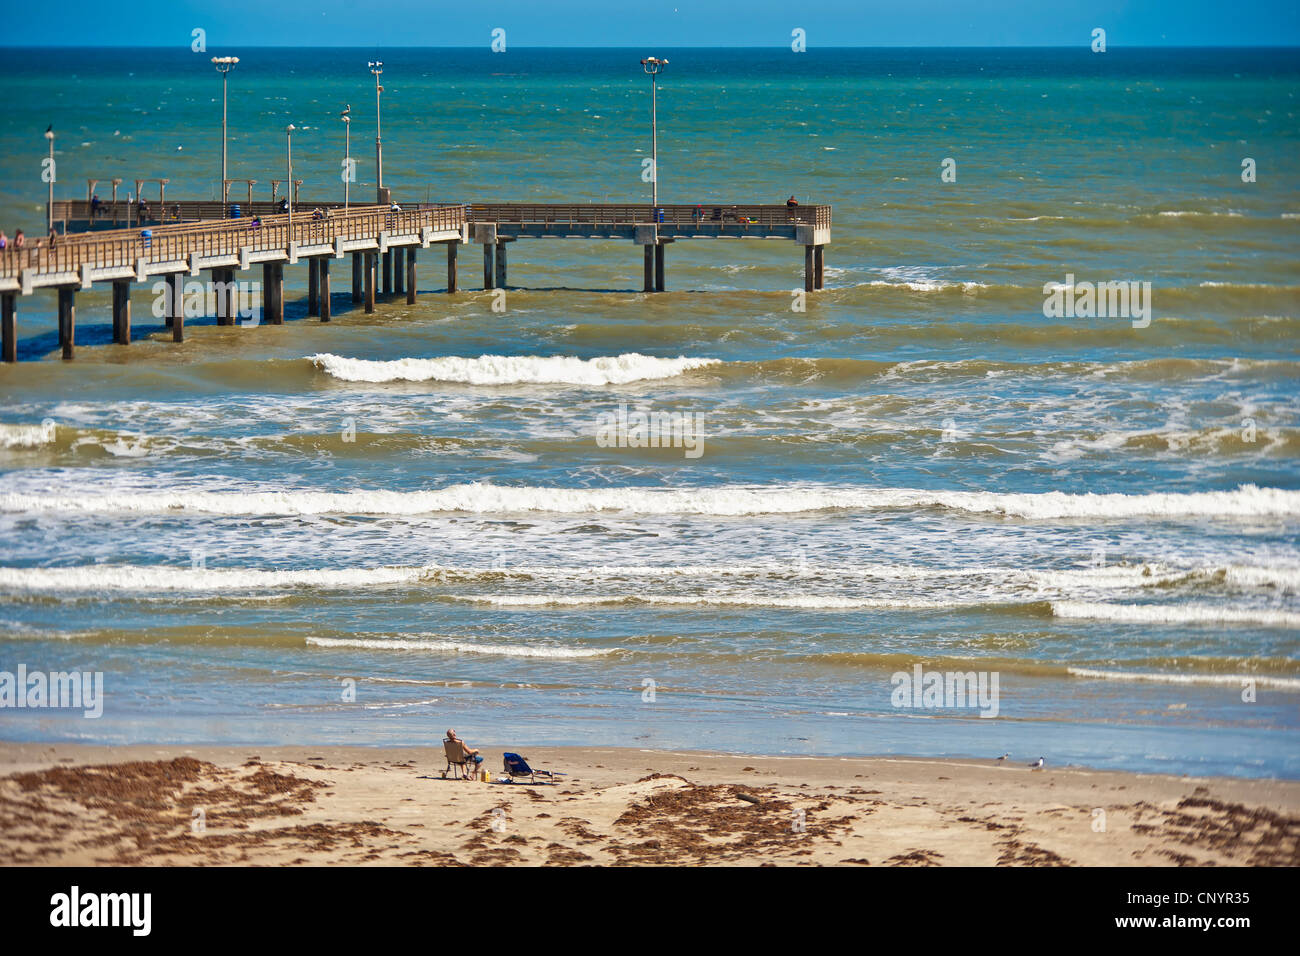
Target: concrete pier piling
[176, 305]
[371, 266]
[489, 266]
[453, 248]
[8, 327]
[356, 278]
[399, 273]
[649, 255]
[501, 264]
[323, 289]
[410, 276]
[313, 286]
[659, 266]
[122, 312]
[273, 293]
[67, 320]
[388, 272]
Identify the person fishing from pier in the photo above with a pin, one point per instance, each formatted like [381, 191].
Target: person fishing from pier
[19, 239]
[4, 241]
[95, 203]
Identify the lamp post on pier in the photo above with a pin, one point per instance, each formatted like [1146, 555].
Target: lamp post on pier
[347, 153]
[652, 65]
[377, 68]
[49, 177]
[224, 65]
[288, 149]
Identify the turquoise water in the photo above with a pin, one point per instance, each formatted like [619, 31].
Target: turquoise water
[921, 468]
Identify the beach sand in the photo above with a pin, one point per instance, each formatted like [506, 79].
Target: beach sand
[82, 805]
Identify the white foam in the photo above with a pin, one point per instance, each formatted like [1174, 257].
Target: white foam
[171, 578]
[812, 601]
[1174, 614]
[733, 500]
[457, 647]
[26, 436]
[511, 369]
[1233, 680]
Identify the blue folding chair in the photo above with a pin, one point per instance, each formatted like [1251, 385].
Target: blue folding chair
[517, 766]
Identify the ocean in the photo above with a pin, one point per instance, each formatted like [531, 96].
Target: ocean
[369, 531]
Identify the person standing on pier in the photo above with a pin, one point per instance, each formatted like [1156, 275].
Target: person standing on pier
[4, 240]
[19, 239]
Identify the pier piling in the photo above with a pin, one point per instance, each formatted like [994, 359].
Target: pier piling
[356, 277]
[323, 288]
[273, 292]
[501, 264]
[659, 267]
[649, 268]
[8, 327]
[452, 248]
[176, 305]
[489, 274]
[313, 286]
[388, 272]
[121, 312]
[399, 274]
[67, 319]
[809, 269]
[371, 266]
[410, 276]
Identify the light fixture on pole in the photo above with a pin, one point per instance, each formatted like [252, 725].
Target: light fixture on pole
[288, 152]
[347, 153]
[224, 65]
[652, 65]
[377, 68]
[49, 176]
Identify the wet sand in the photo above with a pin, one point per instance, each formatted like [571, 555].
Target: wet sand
[167, 805]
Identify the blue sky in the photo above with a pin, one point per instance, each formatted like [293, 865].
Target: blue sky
[667, 23]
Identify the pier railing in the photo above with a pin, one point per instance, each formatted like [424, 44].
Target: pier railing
[127, 214]
[678, 214]
[172, 243]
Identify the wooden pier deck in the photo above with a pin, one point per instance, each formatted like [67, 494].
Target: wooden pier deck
[382, 242]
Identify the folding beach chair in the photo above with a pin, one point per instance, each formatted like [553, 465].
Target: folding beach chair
[458, 761]
[517, 766]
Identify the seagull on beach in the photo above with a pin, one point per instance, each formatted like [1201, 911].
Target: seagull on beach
[1037, 764]
[1004, 756]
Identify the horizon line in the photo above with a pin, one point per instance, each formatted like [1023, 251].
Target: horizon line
[689, 46]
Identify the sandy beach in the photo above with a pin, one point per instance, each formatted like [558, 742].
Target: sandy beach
[155, 805]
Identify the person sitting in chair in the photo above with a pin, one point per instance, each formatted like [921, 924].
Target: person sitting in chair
[471, 755]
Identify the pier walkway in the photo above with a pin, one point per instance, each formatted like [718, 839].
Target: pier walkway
[382, 242]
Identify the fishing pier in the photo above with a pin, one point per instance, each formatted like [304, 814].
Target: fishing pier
[381, 243]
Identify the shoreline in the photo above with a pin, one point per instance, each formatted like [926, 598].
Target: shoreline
[359, 804]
